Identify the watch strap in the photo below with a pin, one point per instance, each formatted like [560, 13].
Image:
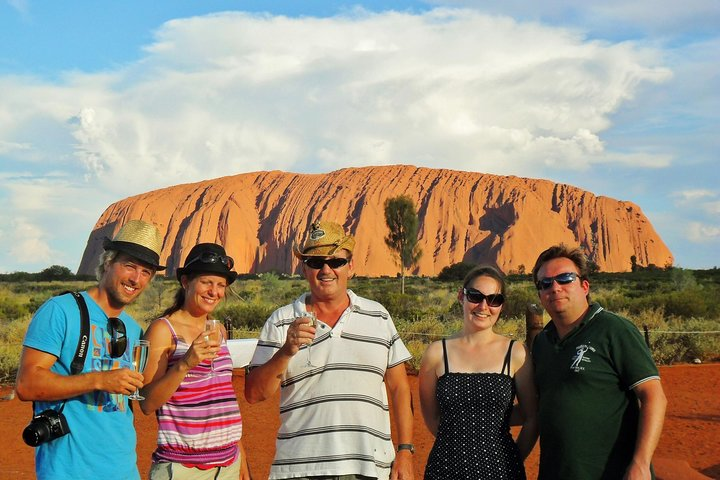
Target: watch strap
[406, 446]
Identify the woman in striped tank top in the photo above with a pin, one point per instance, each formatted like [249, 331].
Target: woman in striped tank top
[189, 378]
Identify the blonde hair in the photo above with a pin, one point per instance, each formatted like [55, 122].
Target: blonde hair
[106, 259]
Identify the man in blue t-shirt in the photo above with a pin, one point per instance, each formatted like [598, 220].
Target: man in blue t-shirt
[101, 439]
[600, 403]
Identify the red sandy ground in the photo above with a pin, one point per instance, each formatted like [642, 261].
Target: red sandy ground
[689, 448]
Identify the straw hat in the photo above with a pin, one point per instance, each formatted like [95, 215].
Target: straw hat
[140, 240]
[324, 240]
[208, 258]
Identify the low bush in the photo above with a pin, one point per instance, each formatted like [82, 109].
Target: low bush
[673, 307]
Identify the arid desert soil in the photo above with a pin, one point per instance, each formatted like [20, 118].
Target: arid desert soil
[689, 448]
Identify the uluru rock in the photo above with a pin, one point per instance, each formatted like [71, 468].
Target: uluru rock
[464, 216]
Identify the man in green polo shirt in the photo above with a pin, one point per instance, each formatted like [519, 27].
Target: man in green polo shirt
[601, 405]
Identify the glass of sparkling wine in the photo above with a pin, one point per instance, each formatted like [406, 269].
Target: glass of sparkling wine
[139, 359]
[313, 323]
[214, 333]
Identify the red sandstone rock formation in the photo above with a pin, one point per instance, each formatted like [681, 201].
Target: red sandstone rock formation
[464, 216]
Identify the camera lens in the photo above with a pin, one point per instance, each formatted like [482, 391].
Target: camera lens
[36, 433]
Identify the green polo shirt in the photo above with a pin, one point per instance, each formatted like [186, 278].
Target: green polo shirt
[588, 412]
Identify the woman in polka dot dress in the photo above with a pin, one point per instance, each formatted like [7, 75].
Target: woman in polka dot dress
[467, 387]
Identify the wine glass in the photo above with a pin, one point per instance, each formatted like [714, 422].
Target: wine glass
[313, 323]
[214, 333]
[139, 359]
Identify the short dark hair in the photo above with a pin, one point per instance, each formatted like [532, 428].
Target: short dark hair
[486, 271]
[575, 254]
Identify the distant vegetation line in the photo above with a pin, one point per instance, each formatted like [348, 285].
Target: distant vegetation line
[674, 304]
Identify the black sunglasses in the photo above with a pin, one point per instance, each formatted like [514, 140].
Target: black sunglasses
[476, 296]
[316, 263]
[209, 257]
[562, 279]
[118, 338]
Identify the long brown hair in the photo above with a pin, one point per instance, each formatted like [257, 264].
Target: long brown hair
[179, 300]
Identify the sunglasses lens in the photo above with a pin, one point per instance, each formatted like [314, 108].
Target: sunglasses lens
[562, 279]
[118, 339]
[565, 278]
[336, 262]
[317, 263]
[314, 263]
[493, 300]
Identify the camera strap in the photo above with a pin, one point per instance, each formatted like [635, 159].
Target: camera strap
[82, 346]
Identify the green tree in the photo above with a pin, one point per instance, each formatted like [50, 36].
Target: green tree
[402, 221]
[56, 272]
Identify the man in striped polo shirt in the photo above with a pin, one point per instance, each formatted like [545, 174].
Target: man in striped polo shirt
[334, 356]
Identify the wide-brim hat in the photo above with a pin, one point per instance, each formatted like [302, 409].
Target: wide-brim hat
[208, 258]
[140, 240]
[324, 240]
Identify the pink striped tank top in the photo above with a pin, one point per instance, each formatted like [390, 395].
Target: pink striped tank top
[200, 425]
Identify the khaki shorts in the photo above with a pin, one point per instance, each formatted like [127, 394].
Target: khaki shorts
[176, 471]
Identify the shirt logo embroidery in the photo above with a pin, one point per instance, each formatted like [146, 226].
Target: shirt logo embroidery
[580, 357]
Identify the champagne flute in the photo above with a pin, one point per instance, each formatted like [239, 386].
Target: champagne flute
[214, 333]
[313, 323]
[139, 359]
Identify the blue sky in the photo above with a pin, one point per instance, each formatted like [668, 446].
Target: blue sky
[103, 100]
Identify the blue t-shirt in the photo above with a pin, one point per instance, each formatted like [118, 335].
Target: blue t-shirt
[101, 442]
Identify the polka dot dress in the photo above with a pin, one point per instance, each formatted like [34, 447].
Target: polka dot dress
[473, 440]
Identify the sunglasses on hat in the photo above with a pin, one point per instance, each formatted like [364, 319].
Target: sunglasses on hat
[210, 257]
[476, 296]
[561, 279]
[118, 338]
[316, 263]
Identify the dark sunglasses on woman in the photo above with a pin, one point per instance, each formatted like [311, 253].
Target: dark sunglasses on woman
[476, 296]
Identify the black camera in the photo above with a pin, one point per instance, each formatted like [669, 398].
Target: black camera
[44, 427]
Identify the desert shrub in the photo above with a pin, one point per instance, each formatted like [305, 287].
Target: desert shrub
[691, 302]
[417, 350]
[11, 337]
[401, 306]
[612, 298]
[653, 318]
[518, 298]
[455, 272]
[245, 316]
[513, 327]
[683, 340]
[11, 305]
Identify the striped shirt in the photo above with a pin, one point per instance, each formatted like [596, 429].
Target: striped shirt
[334, 416]
[200, 425]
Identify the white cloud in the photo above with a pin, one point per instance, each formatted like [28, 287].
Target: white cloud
[695, 194]
[28, 243]
[20, 5]
[702, 233]
[233, 92]
[658, 16]
[7, 147]
[712, 208]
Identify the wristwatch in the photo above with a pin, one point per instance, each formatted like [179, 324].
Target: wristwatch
[406, 446]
